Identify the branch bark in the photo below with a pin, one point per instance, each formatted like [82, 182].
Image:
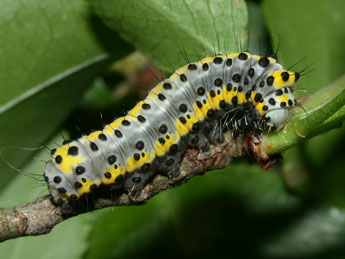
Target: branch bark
[40, 216]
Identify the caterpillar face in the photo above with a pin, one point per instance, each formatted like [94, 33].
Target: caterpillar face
[240, 92]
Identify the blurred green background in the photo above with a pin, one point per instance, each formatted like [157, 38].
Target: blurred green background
[62, 74]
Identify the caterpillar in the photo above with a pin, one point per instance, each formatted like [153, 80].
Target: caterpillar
[240, 92]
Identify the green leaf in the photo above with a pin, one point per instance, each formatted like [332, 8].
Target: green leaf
[169, 32]
[258, 36]
[317, 234]
[50, 53]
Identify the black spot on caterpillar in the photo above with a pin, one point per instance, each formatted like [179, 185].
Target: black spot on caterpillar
[240, 92]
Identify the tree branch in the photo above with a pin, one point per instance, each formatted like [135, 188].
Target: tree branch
[40, 216]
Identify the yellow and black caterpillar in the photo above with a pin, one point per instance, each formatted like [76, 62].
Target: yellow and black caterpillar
[240, 92]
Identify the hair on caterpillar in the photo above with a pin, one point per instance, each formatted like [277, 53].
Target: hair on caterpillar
[27, 181]
[15, 168]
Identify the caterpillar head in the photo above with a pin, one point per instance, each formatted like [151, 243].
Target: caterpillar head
[277, 118]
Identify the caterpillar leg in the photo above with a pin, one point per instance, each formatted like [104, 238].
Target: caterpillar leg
[174, 173]
[173, 158]
[135, 183]
[197, 140]
[213, 132]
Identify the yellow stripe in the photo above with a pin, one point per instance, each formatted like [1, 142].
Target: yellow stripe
[65, 195]
[283, 98]
[93, 136]
[233, 55]
[136, 110]
[159, 149]
[181, 128]
[108, 129]
[114, 173]
[152, 96]
[272, 60]
[241, 97]
[257, 57]
[215, 100]
[252, 96]
[205, 107]
[162, 149]
[193, 119]
[132, 164]
[68, 161]
[228, 95]
[182, 70]
[258, 107]
[206, 60]
[86, 186]
[116, 123]
[198, 112]
[158, 88]
[279, 82]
